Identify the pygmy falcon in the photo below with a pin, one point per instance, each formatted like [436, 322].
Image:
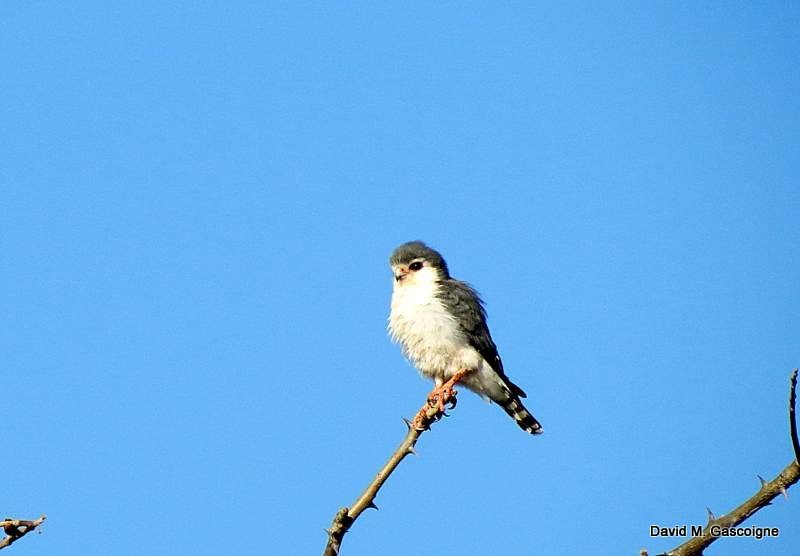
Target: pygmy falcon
[440, 323]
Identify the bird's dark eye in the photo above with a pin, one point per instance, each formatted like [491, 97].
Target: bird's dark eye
[416, 265]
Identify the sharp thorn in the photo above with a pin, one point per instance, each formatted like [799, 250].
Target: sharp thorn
[330, 539]
[761, 479]
[711, 516]
[785, 494]
[407, 422]
[411, 451]
[372, 505]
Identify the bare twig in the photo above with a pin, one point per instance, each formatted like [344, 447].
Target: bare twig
[793, 416]
[15, 529]
[769, 490]
[428, 414]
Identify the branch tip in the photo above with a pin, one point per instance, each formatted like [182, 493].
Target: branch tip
[793, 416]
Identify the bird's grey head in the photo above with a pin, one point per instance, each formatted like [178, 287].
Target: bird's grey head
[413, 257]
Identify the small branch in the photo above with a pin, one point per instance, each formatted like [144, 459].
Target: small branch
[769, 490]
[793, 416]
[15, 529]
[427, 415]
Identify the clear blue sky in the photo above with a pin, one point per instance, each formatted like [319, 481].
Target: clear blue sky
[198, 204]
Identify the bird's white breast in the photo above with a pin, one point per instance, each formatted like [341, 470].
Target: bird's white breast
[430, 337]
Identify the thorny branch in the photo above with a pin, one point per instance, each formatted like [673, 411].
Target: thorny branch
[763, 498]
[15, 529]
[431, 412]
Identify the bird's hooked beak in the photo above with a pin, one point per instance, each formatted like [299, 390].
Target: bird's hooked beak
[400, 271]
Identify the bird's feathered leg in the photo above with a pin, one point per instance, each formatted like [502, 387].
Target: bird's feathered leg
[439, 397]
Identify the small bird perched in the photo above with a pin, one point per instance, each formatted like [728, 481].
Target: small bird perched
[440, 323]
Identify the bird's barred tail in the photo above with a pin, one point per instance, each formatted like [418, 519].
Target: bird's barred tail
[527, 422]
